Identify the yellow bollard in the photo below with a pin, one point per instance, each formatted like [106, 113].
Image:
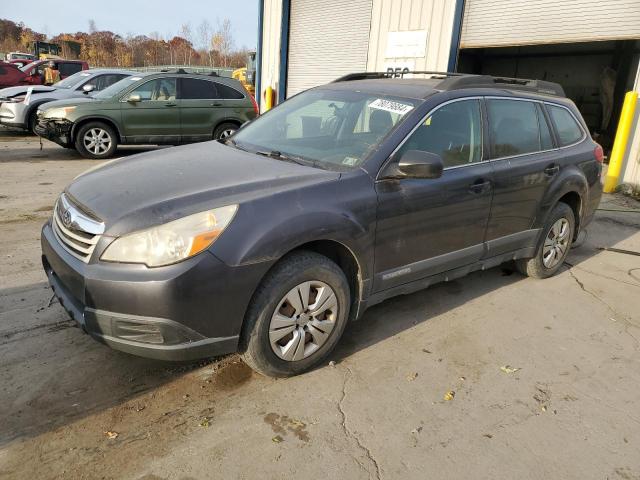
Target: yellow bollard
[620, 143]
[268, 98]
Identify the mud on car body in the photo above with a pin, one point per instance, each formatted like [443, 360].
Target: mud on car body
[270, 241]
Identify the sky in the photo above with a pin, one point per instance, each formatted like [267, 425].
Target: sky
[137, 17]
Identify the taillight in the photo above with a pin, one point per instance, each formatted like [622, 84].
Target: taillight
[255, 104]
[598, 153]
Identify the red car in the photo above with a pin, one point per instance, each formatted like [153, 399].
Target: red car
[21, 62]
[33, 73]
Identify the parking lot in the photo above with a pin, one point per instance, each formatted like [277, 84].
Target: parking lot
[490, 376]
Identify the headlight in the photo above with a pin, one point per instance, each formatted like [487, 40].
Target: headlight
[172, 242]
[58, 112]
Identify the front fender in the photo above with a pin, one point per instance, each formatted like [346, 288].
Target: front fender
[341, 211]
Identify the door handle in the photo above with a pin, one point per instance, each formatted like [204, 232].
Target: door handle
[551, 170]
[479, 185]
[170, 104]
[216, 104]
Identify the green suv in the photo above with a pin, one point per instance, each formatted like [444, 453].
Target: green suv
[158, 108]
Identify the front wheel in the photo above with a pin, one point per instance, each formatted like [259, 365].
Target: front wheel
[297, 315]
[96, 140]
[554, 246]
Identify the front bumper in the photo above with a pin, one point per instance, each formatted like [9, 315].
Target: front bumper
[56, 130]
[190, 310]
[12, 114]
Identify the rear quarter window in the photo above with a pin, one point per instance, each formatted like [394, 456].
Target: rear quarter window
[228, 93]
[567, 127]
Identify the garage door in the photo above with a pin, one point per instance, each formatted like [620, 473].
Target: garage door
[490, 23]
[327, 39]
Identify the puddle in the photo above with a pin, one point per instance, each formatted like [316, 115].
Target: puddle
[281, 424]
[233, 375]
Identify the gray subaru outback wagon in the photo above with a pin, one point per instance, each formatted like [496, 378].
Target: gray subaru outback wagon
[268, 242]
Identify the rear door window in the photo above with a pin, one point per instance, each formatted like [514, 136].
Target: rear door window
[194, 89]
[546, 143]
[67, 69]
[567, 128]
[514, 127]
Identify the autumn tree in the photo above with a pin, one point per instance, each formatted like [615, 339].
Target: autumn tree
[222, 41]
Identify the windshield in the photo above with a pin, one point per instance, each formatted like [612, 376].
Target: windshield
[332, 129]
[72, 80]
[116, 88]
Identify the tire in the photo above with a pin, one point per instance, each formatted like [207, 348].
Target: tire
[225, 130]
[286, 280]
[31, 122]
[96, 131]
[553, 246]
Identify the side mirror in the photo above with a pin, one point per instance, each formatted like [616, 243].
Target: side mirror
[417, 164]
[33, 72]
[88, 88]
[134, 99]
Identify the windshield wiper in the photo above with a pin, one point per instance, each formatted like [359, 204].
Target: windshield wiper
[283, 156]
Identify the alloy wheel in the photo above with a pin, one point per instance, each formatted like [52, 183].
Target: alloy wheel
[556, 243]
[97, 141]
[303, 320]
[227, 132]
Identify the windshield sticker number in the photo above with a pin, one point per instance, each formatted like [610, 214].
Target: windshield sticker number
[390, 106]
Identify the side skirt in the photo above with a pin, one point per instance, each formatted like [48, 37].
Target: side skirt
[423, 283]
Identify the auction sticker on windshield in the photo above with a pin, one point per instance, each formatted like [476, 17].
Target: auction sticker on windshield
[391, 106]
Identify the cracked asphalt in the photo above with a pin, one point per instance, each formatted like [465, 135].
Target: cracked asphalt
[544, 375]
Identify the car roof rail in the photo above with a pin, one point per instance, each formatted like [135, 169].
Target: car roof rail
[508, 83]
[456, 81]
[390, 73]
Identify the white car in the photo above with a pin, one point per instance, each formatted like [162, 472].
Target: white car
[18, 105]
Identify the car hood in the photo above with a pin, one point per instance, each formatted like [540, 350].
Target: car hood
[156, 187]
[22, 89]
[70, 102]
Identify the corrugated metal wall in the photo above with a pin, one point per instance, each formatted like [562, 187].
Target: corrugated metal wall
[270, 64]
[327, 39]
[434, 16]
[525, 22]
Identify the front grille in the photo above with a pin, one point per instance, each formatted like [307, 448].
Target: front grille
[77, 233]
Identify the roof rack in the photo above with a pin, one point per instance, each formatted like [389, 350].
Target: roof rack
[488, 81]
[391, 73]
[455, 81]
[182, 71]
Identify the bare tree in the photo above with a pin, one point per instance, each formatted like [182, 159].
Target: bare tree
[92, 26]
[222, 41]
[185, 32]
[204, 38]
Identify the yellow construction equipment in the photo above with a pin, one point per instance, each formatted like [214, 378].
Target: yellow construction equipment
[246, 75]
[620, 143]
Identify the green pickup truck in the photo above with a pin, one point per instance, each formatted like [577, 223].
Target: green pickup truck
[157, 108]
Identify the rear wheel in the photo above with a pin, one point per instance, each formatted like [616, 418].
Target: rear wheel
[224, 130]
[96, 140]
[297, 315]
[554, 245]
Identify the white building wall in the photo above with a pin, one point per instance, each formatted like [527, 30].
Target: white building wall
[433, 16]
[270, 63]
[631, 172]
